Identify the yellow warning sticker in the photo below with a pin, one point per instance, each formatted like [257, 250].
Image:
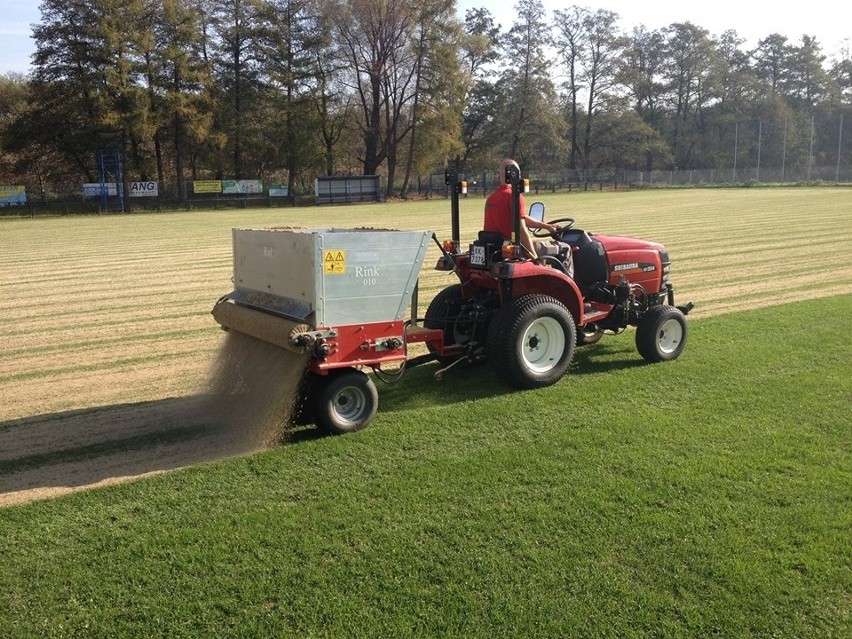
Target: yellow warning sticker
[334, 262]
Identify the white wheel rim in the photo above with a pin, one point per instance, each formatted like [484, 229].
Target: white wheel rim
[543, 344]
[670, 336]
[350, 403]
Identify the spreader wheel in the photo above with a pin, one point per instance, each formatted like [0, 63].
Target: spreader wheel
[531, 341]
[661, 334]
[345, 402]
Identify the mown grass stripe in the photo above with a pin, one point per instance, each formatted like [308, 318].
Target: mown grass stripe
[115, 364]
[54, 326]
[105, 303]
[83, 345]
[94, 279]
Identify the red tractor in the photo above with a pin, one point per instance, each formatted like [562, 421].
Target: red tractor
[337, 297]
[525, 316]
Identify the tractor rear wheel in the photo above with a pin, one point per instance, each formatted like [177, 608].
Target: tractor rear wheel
[531, 341]
[345, 402]
[661, 334]
[444, 313]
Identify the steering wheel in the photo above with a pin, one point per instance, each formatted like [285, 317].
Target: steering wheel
[564, 222]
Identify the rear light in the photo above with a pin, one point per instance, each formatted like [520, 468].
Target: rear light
[509, 251]
[526, 183]
[463, 185]
[449, 246]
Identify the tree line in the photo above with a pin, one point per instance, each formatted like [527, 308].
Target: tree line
[286, 90]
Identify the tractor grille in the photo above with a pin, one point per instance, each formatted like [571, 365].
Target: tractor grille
[667, 266]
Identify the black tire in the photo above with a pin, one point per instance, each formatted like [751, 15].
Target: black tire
[661, 334]
[531, 341]
[345, 402]
[588, 336]
[443, 314]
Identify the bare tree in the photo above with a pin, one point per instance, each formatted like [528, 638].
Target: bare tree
[374, 37]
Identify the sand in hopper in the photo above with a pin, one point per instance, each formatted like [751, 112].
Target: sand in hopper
[252, 388]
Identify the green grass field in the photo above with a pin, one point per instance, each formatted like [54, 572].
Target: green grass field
[706, 497]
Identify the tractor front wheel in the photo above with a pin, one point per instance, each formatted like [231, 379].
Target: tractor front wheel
[531, 341]
[661, 334]
[345, 402]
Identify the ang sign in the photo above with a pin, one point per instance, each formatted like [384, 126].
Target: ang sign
[144, 189]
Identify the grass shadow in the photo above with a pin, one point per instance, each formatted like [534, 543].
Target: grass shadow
[418, 387]
[465, 382]
[605, 357]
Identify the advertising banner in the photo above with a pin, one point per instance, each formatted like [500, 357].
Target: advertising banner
[144, 189]
[207, 186]
[242, 186]
[93, 189]
[279, 190]
[13, 195]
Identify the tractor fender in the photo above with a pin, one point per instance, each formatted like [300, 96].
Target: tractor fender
[527, 278]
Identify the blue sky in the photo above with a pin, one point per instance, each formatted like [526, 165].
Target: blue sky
[830, 21]
[15, 42]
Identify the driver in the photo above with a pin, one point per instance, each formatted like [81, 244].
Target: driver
[498, 212]
[498, 217]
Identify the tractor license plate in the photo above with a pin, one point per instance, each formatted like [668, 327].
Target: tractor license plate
[477, 255]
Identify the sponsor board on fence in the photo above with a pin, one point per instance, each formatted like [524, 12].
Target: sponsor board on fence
[207, 186]
[13, 195]
[144, 189]
[96, 189]
[242, 186]
[279, 190]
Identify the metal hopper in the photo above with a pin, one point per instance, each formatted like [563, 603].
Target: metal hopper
[295, 285]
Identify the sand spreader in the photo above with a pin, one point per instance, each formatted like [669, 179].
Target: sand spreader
[338, 297]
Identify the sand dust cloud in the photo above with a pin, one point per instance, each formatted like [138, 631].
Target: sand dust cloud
[244, 405]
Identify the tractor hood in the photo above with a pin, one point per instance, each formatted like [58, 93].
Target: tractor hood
[640, 261]
[621, 243]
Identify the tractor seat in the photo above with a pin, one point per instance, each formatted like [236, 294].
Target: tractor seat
[590, 264]
[491, 237]
[486, 249]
